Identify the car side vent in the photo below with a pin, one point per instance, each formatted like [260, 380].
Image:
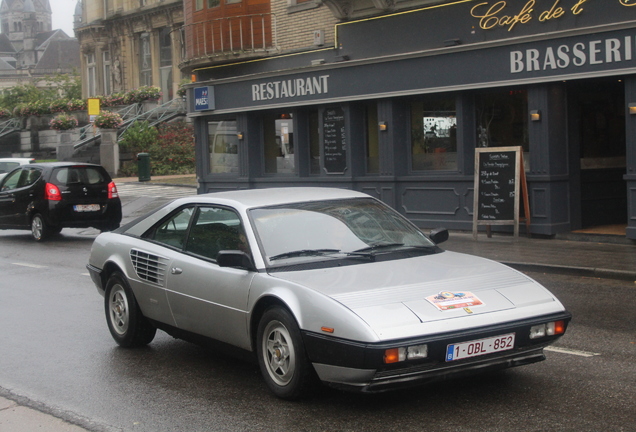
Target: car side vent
[149, 267]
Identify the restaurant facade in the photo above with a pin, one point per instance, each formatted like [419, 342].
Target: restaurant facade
[398, 104]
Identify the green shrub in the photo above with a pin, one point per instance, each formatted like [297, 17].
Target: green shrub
[171, 148]
[139, 137]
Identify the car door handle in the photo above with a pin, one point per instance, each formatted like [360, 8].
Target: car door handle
[176, 271]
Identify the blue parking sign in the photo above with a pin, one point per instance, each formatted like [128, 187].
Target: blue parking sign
[203, 98]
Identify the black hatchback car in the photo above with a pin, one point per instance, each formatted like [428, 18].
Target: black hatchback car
[46, 197]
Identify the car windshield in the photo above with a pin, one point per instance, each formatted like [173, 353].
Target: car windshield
[322, 230]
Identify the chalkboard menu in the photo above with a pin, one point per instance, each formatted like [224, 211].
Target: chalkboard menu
[334, 141]
[496, 198]
[498, 178]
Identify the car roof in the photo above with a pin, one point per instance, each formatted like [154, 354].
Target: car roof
[244, 200]
[63, 164]
[252, 198]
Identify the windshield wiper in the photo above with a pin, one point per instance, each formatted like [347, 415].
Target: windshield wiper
[375, 247]
[304, 252]
[371, 251]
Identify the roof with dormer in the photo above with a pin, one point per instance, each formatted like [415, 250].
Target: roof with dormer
[60, 54]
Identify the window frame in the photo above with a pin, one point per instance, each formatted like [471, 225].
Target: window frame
[457, 103]
[275, 115]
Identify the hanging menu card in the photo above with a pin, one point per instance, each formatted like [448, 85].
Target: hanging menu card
[335, 141]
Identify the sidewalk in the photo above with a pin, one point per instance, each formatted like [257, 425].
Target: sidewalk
[19, 418]
[591, 256]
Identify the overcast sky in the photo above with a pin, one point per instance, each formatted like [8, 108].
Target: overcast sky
[63, 15]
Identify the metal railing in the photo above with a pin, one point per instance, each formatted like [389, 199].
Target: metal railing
[88, 134]
[130, 114]
[229, 35]
[11, 125]
[161, 113]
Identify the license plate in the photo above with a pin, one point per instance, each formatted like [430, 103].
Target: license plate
[480, 347]
[86, 207]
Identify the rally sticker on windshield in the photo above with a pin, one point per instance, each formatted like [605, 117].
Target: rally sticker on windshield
[447, 300]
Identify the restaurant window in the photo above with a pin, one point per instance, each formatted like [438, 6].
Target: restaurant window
[314, 142]
[213, 3]
[198, 4]
[223, 146]
[372, 144]
[278, 139]
[434, 133]
[502, 119]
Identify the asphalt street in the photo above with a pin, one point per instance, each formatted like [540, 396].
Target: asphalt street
[66, 375]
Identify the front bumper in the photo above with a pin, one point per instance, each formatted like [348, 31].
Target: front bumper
[359, 366]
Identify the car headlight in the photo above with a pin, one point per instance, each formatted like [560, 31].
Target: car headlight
[414, 352]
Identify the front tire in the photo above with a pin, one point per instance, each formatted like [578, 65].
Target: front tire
[39, 229]
[281, 355]
[125, 321]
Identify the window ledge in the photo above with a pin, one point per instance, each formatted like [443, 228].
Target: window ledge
[307, 5]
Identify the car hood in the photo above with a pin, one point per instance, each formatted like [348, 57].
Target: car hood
[393, 296]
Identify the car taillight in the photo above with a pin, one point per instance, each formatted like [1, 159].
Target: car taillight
[112, 190]
[52, 192]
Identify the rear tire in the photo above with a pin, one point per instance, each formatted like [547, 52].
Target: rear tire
[281, 355]
[39, 229]
[125, 321]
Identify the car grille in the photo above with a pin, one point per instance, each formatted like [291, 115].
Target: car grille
[149, 267]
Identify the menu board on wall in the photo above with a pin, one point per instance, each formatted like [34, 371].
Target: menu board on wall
[498, 177]
[334, 141]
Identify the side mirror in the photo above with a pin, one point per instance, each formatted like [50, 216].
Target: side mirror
[439, 235]
[234, 258]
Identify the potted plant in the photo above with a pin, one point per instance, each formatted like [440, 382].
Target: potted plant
[108, 120]
[63, 122]
[148, 93]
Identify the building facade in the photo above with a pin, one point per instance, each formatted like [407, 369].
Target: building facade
[126, 44]
[393, 99]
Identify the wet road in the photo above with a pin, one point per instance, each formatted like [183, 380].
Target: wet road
[56, 350]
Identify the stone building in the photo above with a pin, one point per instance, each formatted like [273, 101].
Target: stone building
[126, 44]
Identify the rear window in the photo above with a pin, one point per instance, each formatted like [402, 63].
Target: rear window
[80, 175]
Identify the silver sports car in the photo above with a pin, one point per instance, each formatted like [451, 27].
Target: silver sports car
[319, 283]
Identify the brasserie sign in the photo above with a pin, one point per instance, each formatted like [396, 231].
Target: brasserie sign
[578, 54]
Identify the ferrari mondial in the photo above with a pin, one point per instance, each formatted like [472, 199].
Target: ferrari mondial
[319, 284]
